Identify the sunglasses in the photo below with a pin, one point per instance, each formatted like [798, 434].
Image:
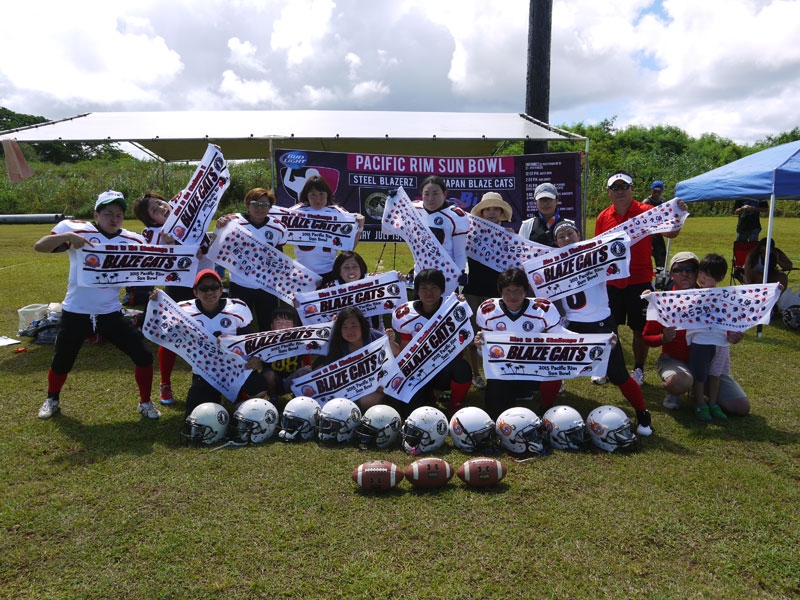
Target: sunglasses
[260, 204]
[214, 287]
[619, 186]
[684, 269]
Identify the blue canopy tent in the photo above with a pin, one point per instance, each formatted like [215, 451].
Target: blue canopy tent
[772, 174]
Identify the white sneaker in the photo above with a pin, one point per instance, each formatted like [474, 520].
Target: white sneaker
[479, 382]
[638, 376]
[149, 410]
[49, 408]
[671, 402]
[599, 380]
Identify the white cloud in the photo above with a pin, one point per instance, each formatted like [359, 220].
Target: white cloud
[369, 92]
[250, 93]
[243, 54]
[299, 29]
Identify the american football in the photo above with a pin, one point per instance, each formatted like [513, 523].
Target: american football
[377, 475]
[429, 472]
[482, 472]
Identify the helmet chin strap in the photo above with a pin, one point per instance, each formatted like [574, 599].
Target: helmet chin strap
[228, 443]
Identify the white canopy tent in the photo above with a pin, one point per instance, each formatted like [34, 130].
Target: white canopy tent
[184, 135]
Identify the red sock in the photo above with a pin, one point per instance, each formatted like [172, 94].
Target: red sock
[166, 364]
[633, 394]
[549, 392]
[458, 392]
[55, 382]
[144, 379]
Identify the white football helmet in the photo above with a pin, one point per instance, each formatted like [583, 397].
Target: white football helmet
[207, 424]
[424, 430]
[565, 427]
[520, 430]
[379, 426]
[254, 421]
[338, 420]
[300, 419]
[472, 430]
[610, 428]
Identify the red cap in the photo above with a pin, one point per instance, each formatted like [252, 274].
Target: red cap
[207, 273]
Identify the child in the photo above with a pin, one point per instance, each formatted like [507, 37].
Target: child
[280, 373]
[709, 355]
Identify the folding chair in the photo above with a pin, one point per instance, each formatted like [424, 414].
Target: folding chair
[740, 252]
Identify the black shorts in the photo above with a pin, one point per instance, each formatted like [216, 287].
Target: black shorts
[627, 305]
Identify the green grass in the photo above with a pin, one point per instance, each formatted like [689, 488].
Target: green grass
[97, 503]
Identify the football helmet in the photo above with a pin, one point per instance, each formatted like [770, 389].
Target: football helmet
[207, 424]
[610, 428]
[520, 430]
[791, 317]
[473, 430]
[379, 427]
[424, 430]
[338, 420]
[564, 427]
[299, 419]
[254, 421]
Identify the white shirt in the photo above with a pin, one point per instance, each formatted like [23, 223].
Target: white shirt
[91, 300]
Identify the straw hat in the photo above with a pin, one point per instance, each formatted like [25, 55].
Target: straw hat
[493, 200]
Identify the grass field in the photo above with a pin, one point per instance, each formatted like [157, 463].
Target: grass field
[97, 503]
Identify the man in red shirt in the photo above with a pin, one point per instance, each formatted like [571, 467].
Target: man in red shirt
[673, 363]
[624, 295]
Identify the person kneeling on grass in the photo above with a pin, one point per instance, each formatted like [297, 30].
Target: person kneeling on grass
[90, 310]
[220, 316]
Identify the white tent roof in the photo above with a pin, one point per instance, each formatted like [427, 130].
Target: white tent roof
[179, 135]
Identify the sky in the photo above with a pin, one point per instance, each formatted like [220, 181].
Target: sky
[728, 67]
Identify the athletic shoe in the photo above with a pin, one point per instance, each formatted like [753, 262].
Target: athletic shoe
[703, 413]
[149, 410]
[717, 413]
[479, 382]
[671, 402]
[599, 380]
[166, 394]
[638, 376]
[49, 408]
[644, 423]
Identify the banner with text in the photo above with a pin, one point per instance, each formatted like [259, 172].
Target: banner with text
[263, 264]
[664, 218]
[545, 356]
[565, 271]
[195, 206]
[112, 265]
[336, 231]
[361, 182]
[440, 340]
[374, 295]
[281, 343]
[167, 325]
[497, 248]
[401, 218]
[736, 308]
[353, 376]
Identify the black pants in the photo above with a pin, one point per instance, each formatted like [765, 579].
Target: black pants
[74, 328]
[202, 391]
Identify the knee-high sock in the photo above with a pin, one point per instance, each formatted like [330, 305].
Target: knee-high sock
[166, 364]
[549, 392]
[144, 379]
[55, 382]
[633, 394]
[458, 392]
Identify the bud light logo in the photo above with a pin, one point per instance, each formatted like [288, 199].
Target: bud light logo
[294, 160]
